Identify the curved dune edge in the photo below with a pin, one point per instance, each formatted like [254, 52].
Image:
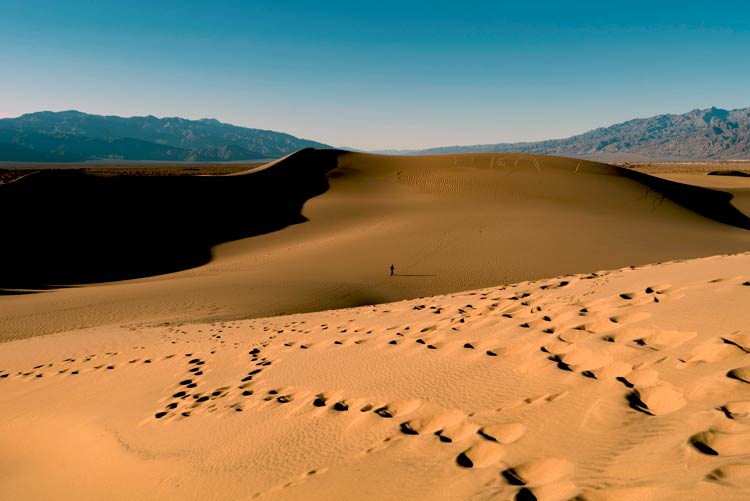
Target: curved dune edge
[580, 385]
[86, 228]
[448, 223]
[712, 203]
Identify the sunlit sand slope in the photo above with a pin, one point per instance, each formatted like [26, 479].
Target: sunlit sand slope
[628, 384]
[447, 223]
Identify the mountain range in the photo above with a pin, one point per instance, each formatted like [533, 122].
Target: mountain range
[72, 136]
[709, 134]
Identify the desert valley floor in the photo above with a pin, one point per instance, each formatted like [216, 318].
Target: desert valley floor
[556, 329]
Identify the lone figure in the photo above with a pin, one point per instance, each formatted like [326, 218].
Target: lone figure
[393, 268]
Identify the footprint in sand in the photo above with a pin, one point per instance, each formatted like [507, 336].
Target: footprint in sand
[539, 472]
[740, 374]
[735, 475]
[503, 433]
[722, 440]
[596, 363]
[574, 336]
[657, 400]
[538, 399]
[713, 350]
[285, 399]
[546, 478]
[629, 318]
[481, 455]
[664, 339]
[561, 491]
[321, 400]
[651, 294]
[458, 432]
[398, 408]
[433, 423]
[351, 404]
[640, 377]
[737, 410]
[739, 340]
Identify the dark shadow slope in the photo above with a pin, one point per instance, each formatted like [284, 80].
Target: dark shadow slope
[70, 227]
[711, 203]
[735, 173]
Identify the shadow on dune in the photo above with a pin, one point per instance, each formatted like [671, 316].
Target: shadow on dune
[20, 291]
[735, 173]
[711, 203]
[70, 227]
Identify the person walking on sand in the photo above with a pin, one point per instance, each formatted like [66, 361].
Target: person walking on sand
[393, 268]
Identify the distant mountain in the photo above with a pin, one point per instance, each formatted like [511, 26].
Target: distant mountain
[710, 134]
[72, 136]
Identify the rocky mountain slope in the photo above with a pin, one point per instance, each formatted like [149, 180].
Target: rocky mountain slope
[72, 136]
[710, 134]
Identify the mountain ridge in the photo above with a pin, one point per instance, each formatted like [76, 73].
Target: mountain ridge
[700, 134]
[75, 136]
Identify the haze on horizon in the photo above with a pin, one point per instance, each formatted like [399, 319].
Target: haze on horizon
[385, 75]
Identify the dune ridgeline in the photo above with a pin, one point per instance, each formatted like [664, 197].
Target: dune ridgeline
[448, 223]
[555, 329]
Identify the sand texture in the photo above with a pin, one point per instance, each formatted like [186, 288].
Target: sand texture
[629, 384]
[500, 362]
[448, 223]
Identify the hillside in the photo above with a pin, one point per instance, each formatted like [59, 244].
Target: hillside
[72, 136]
[710, 134]
[206, 246]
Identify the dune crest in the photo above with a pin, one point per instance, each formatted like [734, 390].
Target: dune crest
[92, 228]
[448, 223]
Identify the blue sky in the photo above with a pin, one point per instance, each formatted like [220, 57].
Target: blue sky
[378, 75]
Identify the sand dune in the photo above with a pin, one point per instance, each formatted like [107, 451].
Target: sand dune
[448, 223]
[73, 227]
[440, 382]
[624, 384]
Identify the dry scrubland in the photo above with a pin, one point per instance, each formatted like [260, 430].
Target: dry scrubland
[470, 374]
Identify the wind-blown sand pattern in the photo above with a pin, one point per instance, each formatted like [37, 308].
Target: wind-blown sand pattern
[627, 384]
[597, 385]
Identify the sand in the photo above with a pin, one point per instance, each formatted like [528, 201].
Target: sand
[629, 384]
[499, 382]
[448, 223]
